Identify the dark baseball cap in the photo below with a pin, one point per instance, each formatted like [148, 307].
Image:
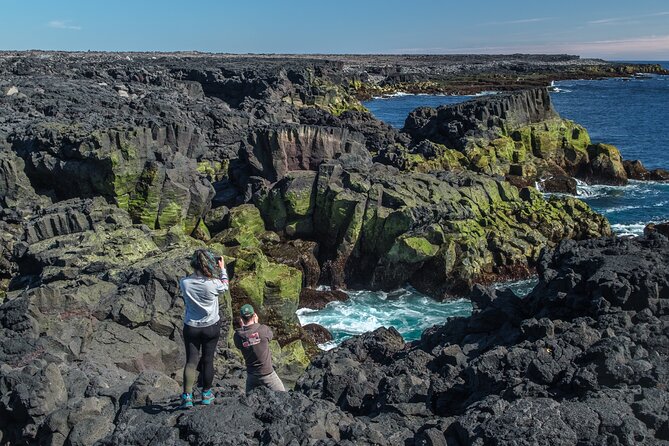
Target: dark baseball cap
[246, 311]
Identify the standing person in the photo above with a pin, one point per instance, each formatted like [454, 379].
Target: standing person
[202, 328]
[252, 338]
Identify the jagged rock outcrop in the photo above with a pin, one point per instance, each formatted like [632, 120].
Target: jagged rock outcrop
[301, 148]
[489, 117]
[441, 233]
[657, 228]
[581, 360]
[636, 171]
[114, 168]
[94, 306]
[518, 135]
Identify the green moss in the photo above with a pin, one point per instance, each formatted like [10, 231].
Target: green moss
[293, 355]
[144, 201]
[253, 288]
[299, 203]
[285, 282]
[201, 232]
[466, 228]
[331, 97]
[214, 170]
[170, 215]
[247, 217]
[412, 250]
[558, 140]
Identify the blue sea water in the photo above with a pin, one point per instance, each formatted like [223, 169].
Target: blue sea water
[631, 114]
[409, 311]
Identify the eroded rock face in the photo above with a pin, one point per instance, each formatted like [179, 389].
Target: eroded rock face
[441, 232]
[452, 125]
[517, 134]
[636, 171]
[582, 359]
[113, 170]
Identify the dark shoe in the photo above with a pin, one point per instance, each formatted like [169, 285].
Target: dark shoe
[207, 397]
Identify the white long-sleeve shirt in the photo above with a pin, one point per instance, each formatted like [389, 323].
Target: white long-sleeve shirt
[200, 295]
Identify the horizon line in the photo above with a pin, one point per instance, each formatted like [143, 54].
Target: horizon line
[395, 54]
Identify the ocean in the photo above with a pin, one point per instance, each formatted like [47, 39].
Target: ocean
[629, 113]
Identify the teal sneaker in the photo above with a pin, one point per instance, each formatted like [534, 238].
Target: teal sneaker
[207, 397]
[186, 401]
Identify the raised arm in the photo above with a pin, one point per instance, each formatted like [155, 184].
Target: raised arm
[224, 276]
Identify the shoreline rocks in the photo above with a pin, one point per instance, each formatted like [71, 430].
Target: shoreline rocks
[515, 134]
[115, 167]
[581, 360]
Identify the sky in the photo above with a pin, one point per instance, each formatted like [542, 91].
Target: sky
[613, 30]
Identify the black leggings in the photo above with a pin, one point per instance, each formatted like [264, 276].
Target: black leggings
[204, 338]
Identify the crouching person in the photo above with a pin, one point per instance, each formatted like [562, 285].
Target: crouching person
[253, 338]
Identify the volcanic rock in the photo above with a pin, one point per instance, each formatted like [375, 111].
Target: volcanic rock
[318, 299]
[518, 134]
[657, 228]
[318, 333]
[636, 171]
[111, 164]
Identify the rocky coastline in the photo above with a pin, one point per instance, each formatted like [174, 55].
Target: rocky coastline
[114, 167]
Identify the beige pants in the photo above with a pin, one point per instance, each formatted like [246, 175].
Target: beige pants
[272, 381]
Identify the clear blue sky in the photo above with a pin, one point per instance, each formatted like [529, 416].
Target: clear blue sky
[609, 29]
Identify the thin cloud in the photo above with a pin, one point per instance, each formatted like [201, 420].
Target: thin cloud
[60, 24]
[638, 45]
[644, 45]
[631, 19]
[519, 21]
[604, 21]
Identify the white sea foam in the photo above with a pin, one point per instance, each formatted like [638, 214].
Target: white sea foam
[405, 309]
[328, 345]
[520, 287]
[301, 311]
[397, 94]
[487, 93]
[597, 190]
[634, 229]
[614, 209]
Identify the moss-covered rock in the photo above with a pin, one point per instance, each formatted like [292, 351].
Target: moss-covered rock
[272, 288]
[441, 232]
[516, 134]
[412, 250]
[605, 165]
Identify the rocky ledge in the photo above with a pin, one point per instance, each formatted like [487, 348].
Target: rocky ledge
[582, 360]
[115, 167]
[517, 135]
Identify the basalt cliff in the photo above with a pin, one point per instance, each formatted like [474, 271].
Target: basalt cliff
[114, 167]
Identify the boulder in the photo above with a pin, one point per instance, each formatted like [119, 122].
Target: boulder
[636, 171]
[657, 228]
[318, 299]
[605, 165]
[318, 333]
